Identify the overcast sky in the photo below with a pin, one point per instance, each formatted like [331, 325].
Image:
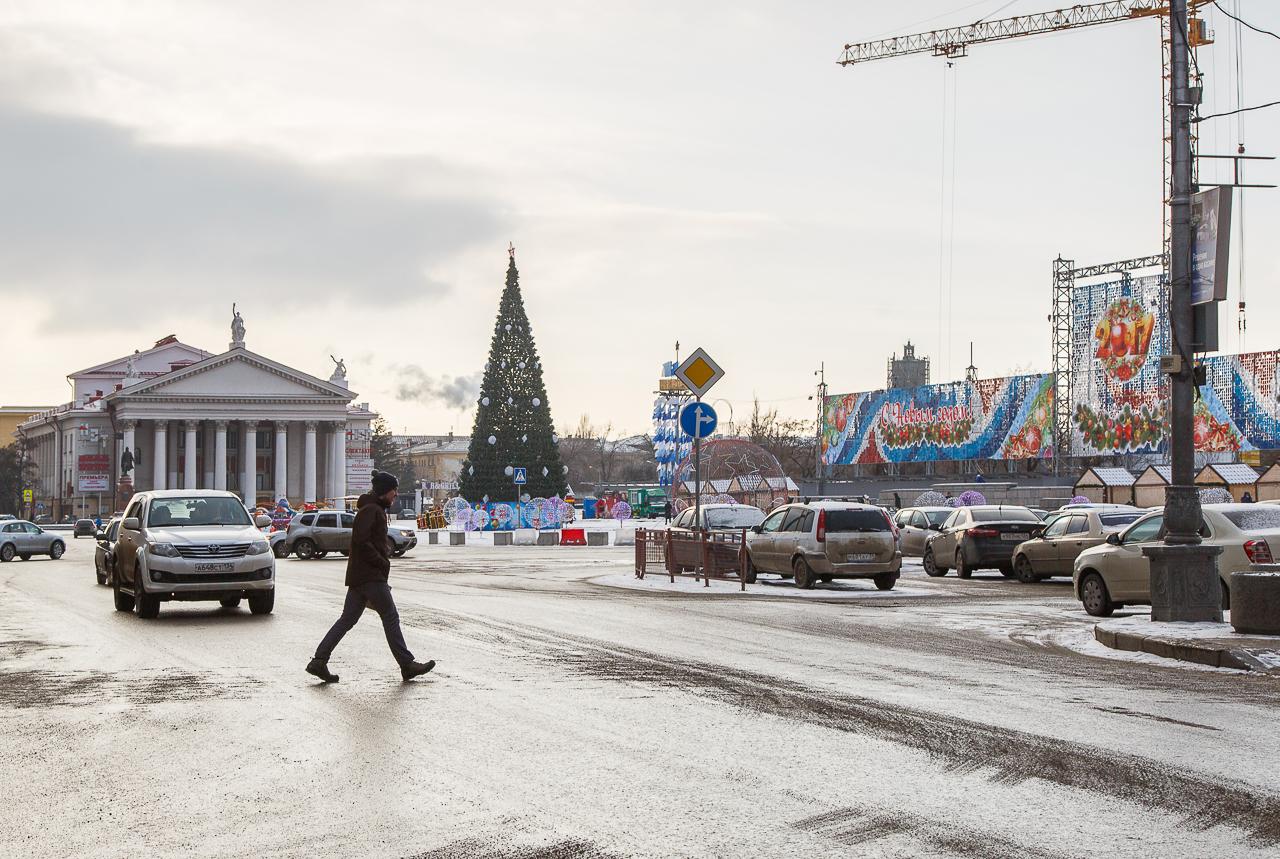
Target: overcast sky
[351, 174]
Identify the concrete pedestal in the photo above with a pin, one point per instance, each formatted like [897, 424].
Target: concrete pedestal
[457, 538]
[1184, 583]
[548, 538]
[1255, 601]
[597, 538]
[433, 538]
[526, 537]
[502, 538]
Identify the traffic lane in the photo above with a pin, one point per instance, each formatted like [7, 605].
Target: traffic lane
[611, 707]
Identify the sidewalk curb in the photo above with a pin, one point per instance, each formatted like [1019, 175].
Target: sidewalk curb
[1184, 650]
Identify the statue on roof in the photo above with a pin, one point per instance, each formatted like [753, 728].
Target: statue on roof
[237, 328]
[339, 370]
[131, 366]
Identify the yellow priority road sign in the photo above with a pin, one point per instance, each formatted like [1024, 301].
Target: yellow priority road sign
[699, 372]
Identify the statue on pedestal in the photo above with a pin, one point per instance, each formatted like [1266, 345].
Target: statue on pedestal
[126, 464]
[237, 328]
[339, 371]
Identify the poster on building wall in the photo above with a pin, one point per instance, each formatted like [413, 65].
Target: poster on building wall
[1010, 418]
[1237, 410]
[94, 472]
[359, 460]
[1119, 396]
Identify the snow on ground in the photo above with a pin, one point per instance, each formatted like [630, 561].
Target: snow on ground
[841, 589]
[1143, 625]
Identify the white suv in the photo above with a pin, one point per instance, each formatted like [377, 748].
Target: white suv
[191, 544]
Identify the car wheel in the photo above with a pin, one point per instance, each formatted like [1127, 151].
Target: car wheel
[962, 569]
[886, 581]
[305, 549]
[749, 576]
[7, 552]
[56, 550]
[1024, 571]
[262, 602]
[931, 567]
[124, 601]
[230, 602]
[26, 556]
[147, 606]
[280, 550]
[1094, 596]
[102, 579]
[804, 576]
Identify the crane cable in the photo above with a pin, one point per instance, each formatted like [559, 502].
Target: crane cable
[946, 218]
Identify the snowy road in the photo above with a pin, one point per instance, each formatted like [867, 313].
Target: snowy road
[568, 718]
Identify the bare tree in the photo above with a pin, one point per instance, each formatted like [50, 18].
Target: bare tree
[790, 440]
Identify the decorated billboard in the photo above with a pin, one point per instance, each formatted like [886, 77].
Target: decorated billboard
[1119, 396]
[1236, 409]
[1009, 418]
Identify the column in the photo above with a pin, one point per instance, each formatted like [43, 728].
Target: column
[340, 460]
[249, 457]
[282, 460]
[189, 456]
[207, 441]
[309, 464]
[220, 455]
[172, 478]
[159, 454]
[128, 444]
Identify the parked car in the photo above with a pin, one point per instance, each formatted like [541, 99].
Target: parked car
[84, 528]
[314, 535]
[708, 518]
[104, 554]
[44, 519]
[22, 539]
[191, 544]
[1054, 545]
[826, 540]
[979, 537]
[1117, 574]
[917, 524]
[1040, 512]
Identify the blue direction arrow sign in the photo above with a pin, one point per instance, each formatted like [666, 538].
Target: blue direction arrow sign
[698, 420]
[521, 477]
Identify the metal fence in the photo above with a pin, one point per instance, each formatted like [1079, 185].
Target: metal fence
[704, 555]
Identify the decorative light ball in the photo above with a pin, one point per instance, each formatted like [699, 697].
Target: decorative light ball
[493, 439]
[555, 439]
[507, 326]
[508, 471]
[484, 401]
[565, 469]
[520, 365]
[537, 402]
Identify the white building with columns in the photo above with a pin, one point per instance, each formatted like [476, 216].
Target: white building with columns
[189, 418]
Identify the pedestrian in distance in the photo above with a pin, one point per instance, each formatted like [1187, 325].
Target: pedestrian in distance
[1246, 498]
[368, 567]
[666, 512]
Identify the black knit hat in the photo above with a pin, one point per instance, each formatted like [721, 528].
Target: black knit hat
[384, 482]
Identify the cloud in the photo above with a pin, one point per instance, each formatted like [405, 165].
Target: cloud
[107, 220]
[456, 392]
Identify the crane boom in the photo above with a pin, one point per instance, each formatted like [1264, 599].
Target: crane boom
[954, 41]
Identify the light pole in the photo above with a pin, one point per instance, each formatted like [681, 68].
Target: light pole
[821, 397]
[1184, 575]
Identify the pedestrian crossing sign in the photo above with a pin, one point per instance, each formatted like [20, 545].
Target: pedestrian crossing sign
[521, 477]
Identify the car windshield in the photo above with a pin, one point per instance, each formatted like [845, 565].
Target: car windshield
[1260, 518]
[178, 512]
[1003, 514]
[734, 517]
[1119, 520]
[856, 520]
[937, 517]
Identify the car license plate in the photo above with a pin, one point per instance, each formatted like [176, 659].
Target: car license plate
[859, 558]
[213, 568]
[1013, 537]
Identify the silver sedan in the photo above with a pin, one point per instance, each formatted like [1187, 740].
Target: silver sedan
[22, 539]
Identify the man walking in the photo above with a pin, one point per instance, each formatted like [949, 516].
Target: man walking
[368, 566]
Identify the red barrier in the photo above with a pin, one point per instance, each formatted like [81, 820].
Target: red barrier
[573, 537]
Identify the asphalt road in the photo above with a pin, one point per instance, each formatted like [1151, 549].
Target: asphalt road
[571, 719]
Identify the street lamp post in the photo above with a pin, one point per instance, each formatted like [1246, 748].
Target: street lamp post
[1184, 574]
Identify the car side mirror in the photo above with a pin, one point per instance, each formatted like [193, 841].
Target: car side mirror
[262, 521]
[101, 535]
[1037, 531]
[935, 526]
[1113, 539]
[131, 524]
[756, 529]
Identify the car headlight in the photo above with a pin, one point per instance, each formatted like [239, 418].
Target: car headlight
[164, 550]
[259, 547]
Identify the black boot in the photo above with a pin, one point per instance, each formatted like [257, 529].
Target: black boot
[320, 668]
[416, 669]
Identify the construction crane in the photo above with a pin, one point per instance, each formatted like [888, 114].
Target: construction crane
[954, 42]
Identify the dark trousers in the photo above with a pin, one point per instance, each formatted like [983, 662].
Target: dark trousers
[377, 596]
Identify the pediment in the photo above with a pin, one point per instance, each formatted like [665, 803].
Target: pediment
[156, 359]
[238, 374]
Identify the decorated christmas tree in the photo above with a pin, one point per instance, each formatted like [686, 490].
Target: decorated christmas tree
[513, 427]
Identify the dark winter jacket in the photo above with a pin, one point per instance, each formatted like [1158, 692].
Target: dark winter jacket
[370, 558]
